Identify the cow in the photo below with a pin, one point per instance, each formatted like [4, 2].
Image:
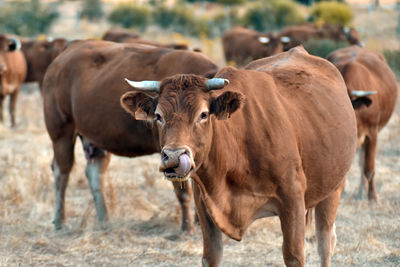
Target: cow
[81, 92]
[243, 45]
[274, 139]
[119, 35]
[126, 36]
[39, 54]
[295, 35]
[12, 72]
[372, 87]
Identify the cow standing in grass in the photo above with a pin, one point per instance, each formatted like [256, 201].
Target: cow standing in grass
[81, 93]
[243, 45]
[12, 73]
[275, 139]
[39, 54]
[372, 87]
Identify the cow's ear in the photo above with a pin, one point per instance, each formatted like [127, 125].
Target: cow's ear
[139, 105]
[226, 104]
[358, 102]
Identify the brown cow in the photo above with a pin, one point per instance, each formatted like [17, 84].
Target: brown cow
[274, 139]
[365, 71]
[81, 93]
[39, 54]
[119, 35]
[243, 45]
[292, 36]
[12, 73]
[125, 36]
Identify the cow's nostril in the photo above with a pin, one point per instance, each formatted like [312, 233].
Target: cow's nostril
[164, 156]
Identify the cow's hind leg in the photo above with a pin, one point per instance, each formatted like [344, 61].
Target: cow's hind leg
[97, 163]
[183, 191]
[325, 215]
[13, 103]
[63, 147]
[368, 168]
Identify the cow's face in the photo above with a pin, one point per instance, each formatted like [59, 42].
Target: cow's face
[184, 110]
[272, 44]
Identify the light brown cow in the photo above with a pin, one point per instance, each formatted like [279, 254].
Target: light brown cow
[365, 71]
[39, 54]
[274, 139]
[293, 36]
[12, 73]
[81, 92]
[243, 45]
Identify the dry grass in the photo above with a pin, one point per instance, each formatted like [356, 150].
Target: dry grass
[145, 219]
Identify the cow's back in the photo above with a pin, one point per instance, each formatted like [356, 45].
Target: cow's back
[85, 82]
[307, 116]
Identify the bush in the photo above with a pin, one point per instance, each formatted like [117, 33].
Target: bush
[322, 47]
[272, 15]
[224, 20]
[27, 19]
[92, 10]
[332, 12]
[393, 60]
[180, 20]
[130, 15]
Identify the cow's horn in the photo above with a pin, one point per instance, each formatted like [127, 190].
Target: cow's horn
[16, 42]
[145, 85]
[285, 39]
[263, 39]
[362, 93]
[216, 83]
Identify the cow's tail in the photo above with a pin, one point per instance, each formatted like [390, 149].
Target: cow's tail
[310, 235]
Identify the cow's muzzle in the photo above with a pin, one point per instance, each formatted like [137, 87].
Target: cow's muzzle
[177, 163]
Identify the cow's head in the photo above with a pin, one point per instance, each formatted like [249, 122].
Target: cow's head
[7, 45]
[272, 44]
[352, 36]
[184, 108]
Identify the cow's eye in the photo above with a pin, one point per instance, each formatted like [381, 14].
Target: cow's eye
[204, 115]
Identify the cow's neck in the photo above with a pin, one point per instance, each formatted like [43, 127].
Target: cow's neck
[224, 183]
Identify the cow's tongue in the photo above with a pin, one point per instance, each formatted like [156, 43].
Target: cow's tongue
[184, 165]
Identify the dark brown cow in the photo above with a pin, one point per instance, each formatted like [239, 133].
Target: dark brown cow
[243, 45]
[365, 71]
[81, 92]
[292, 36]
[126, 36]
[39, 54]
[274, 139]
[12, 73]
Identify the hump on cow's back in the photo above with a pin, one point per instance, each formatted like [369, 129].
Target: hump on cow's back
[276, 60]
[296, 58]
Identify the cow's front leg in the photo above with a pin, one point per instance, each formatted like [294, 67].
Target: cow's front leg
[292, 217]
[212, 238]
[183, 192]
